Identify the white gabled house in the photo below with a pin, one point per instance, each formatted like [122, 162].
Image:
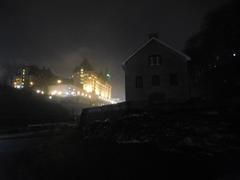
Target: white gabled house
[156, 72]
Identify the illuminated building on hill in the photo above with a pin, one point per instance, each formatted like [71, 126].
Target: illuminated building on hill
[63, 90]
[32, 77]
[89, 81]
[23, 79]
[85, 83]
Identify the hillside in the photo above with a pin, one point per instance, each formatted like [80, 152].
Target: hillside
[21, 108]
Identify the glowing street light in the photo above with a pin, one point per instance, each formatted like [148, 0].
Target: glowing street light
[59, 81]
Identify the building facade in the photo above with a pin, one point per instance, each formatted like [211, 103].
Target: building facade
[32, 77]
[23, 79]
[86, 79]
[156, 72]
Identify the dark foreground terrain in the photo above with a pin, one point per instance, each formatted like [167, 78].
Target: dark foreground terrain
[159, 142]
[65, 156]
[19, 108]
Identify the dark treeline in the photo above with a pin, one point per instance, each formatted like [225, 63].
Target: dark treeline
[215, 52]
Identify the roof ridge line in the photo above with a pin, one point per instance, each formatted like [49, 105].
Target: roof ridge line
[161, 42]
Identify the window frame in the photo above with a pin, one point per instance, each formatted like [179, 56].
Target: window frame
[155, 60]
[138, 82]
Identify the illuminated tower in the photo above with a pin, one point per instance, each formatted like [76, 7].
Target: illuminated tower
[97, 84]
[81, 72]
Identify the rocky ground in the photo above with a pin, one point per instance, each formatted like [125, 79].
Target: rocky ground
[67, 156]
[206, 133]
[143, 144]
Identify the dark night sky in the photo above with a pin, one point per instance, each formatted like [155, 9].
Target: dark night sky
[59, 34]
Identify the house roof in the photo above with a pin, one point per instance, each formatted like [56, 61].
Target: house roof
[160, 42]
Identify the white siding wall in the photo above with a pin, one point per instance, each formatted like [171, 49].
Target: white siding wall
[171, 63]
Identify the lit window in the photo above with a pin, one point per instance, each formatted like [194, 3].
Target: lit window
[88, 88]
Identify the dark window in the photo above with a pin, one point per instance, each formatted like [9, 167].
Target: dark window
[154, 60]
[139, 82]
[155, 80]
[173, 79]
